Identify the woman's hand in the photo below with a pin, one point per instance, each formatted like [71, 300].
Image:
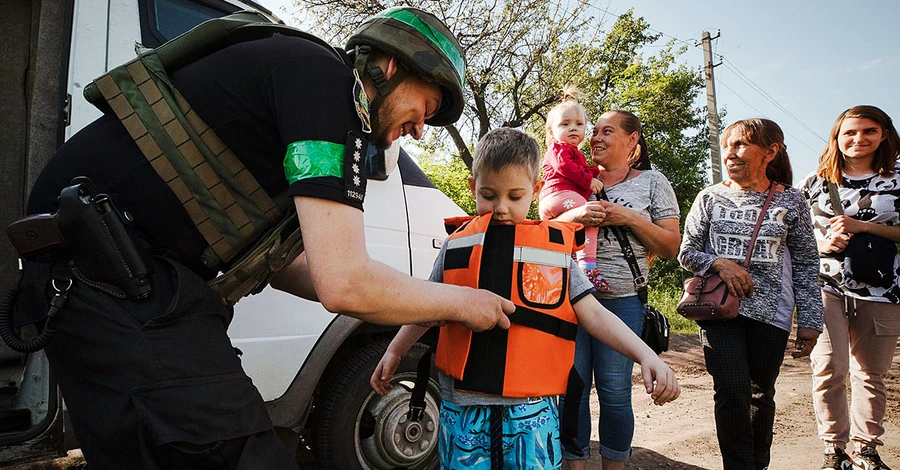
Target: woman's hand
[616, 214]
[735, 276]
[590, 215]
[804, 343]
[841, 224]
[836, 243]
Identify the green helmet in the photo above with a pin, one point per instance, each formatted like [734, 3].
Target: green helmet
[422, 43]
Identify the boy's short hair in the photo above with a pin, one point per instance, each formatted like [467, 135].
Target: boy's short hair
[506, 146]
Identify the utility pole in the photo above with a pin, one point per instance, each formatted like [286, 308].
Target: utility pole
[712, 113]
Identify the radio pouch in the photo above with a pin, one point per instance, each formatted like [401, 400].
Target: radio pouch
[102, 250]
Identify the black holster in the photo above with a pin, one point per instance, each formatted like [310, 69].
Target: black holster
[94, 239]
[101, 247]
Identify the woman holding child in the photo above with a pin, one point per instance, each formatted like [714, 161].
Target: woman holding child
[744, 355]
[642, 201]
[862, 315]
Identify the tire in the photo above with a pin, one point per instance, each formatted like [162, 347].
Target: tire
[357, 429]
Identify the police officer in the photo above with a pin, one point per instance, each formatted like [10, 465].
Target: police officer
[153, 382]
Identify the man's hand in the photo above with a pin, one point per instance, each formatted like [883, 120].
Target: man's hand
[805, 342]
[735, 276]
[486, 310]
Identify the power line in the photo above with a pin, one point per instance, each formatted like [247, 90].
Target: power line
[775, 25]
[758, 89]
[762, 114]
[589, 4]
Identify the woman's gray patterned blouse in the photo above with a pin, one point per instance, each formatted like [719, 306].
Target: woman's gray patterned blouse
[720, 224]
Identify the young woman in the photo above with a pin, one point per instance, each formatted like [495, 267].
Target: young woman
[862, 321]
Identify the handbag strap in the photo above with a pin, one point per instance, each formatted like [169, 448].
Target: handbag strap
[640, 282]
[762, 215]
[836, 205]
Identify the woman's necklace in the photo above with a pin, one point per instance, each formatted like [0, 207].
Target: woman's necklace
[625, 178]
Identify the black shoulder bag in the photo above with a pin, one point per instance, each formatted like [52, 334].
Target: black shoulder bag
[656, 326]
[868, 258]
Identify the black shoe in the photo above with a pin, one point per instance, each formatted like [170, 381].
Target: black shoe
[836, 459]
[867, 459]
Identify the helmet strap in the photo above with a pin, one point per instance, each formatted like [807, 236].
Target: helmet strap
[383, 85]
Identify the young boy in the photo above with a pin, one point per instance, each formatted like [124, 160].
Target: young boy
[506, 382]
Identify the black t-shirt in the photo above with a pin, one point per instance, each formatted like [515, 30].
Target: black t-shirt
[264, 98]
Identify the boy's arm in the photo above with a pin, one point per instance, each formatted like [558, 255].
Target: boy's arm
[405, 339]
[609, 329]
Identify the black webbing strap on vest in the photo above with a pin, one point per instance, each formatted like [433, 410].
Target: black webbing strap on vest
[574, 388]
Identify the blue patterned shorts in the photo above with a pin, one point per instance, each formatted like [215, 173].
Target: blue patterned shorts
[530, 436]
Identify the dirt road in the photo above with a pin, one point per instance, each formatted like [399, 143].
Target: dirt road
[682, 434]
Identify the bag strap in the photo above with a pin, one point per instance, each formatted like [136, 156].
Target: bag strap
[762, 215]
[640, 282]
[836, 205]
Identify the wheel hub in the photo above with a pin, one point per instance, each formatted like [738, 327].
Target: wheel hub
[399, 441]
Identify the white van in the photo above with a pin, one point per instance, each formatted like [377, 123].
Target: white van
[312, 367]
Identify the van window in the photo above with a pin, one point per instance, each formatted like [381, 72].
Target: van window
[162, 20]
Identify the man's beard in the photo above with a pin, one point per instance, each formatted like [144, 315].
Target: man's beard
[381, 115]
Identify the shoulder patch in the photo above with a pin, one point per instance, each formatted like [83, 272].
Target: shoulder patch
[355, 180]
[361, 101]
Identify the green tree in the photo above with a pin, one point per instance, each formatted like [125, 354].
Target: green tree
[521, 53]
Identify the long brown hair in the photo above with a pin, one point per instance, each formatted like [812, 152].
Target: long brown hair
[831, 162]
[629, 122]
[765, 132]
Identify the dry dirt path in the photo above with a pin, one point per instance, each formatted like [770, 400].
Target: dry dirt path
[682, 434]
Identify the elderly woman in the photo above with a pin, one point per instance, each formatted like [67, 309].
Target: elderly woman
[642, 201]
[862, 316]
[744, 355]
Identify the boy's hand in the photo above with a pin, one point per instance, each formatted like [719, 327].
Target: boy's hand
[660, 381]
[596, 186]
[381, 378]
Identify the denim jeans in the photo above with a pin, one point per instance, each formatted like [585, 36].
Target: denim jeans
[612, 373]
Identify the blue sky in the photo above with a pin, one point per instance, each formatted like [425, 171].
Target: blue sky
[814, 58]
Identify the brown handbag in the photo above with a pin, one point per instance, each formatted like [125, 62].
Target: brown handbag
[707, 298]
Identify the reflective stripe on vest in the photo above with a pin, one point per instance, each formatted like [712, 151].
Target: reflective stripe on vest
[529, 264]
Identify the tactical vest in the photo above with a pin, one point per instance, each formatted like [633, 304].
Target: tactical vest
[529, 264]
[244, 227]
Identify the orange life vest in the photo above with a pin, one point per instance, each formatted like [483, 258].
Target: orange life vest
[529, 264]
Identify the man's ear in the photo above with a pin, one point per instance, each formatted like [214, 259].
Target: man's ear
[390, 68]
[472, 185]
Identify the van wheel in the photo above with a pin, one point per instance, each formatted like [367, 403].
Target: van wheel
[357, 429]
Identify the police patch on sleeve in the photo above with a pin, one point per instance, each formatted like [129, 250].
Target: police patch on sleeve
[361, 101]
[355, 167]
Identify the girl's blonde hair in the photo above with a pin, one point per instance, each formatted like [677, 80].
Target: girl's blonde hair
[571, 95]
[831, 162]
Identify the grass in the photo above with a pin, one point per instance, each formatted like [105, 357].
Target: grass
[665, 298]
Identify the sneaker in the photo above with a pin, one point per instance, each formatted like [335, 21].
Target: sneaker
[867, 459]
[836, 459]
[600, 283]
